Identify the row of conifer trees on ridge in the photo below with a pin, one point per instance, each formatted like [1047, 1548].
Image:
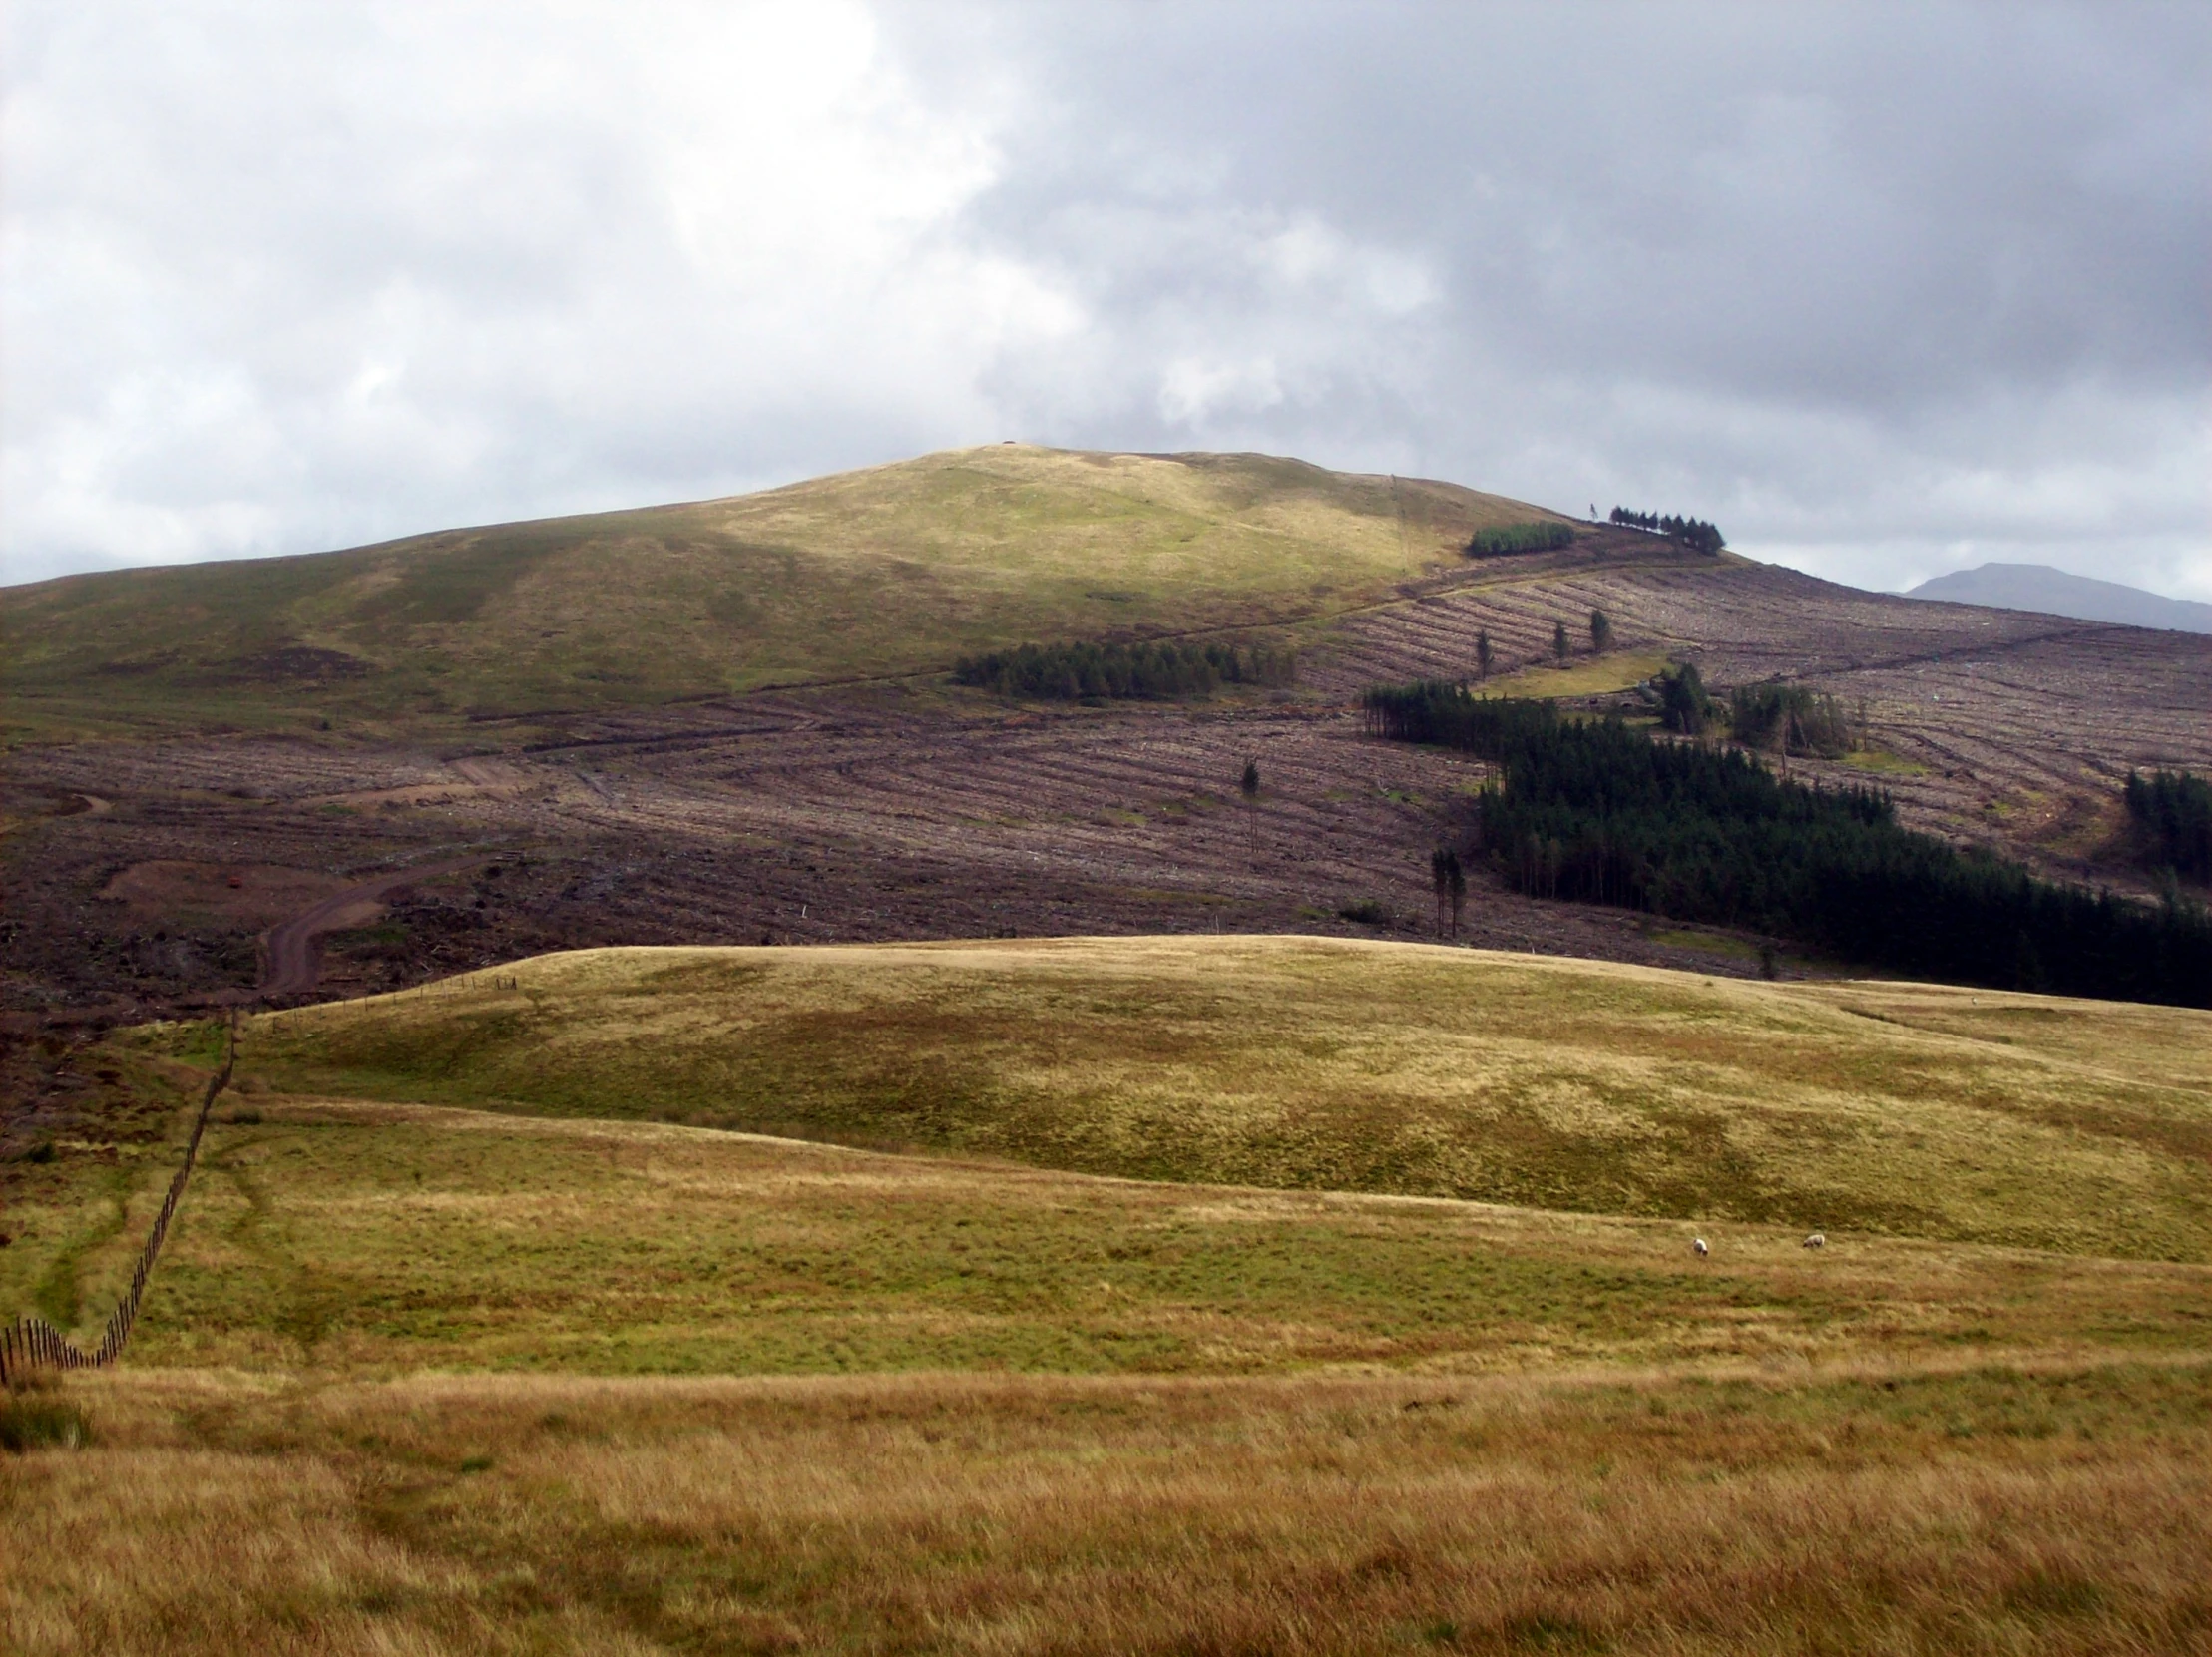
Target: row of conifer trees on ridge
[1690, 532]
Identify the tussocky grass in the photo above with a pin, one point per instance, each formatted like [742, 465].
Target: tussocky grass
[1983, 1509]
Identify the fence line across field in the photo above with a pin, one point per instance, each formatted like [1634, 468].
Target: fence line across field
[31, 1342]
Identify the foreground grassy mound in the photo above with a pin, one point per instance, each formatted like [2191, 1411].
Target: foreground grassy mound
[1296, 1063]
[893, 570]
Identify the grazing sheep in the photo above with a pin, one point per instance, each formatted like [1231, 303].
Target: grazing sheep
[1699, 1245]
[1818, 1240]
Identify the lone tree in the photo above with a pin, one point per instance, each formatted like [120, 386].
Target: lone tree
[1558, 640]
[1483, 655]
[1248, 785]
[1450, 881]
[1601, 631]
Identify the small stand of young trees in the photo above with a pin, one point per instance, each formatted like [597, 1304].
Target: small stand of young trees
[1693, 532]
[1601, 631]
[1789, 720]
[1071, 673]
[1520, 538]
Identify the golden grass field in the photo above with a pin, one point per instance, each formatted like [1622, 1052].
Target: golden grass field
[460, 1349]
[889, 571]
[1995, 1509]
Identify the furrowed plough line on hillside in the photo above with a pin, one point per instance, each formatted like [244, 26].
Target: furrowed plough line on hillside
[31, 1342]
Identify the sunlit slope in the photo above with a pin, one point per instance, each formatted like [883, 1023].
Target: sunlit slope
[1314, 1063]
[894, 569]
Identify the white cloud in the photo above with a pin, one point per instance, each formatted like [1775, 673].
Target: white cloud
[302, 277]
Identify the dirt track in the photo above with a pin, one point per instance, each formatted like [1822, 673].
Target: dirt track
[292, 949]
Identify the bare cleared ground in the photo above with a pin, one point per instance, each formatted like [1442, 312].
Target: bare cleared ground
[2022, 725]
[903, 809]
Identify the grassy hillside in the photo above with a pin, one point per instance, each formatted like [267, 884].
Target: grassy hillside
[1309, 1063]
[371, 1238]
[891, 569]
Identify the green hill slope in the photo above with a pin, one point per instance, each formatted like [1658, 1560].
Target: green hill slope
[895, 569]
[1309, 1063]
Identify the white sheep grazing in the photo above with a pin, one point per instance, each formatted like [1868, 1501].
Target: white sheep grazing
[1818, 1240]
[1699, 1245]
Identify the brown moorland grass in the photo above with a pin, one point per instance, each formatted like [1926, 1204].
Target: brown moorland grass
[2024, 1509]
[1301, 1062]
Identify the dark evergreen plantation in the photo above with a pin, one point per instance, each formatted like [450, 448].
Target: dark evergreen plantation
[2172, 813]
[1600, 812]
[1155, 671]
[1520, 538]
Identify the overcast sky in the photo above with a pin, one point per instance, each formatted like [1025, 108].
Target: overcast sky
[1883, 290]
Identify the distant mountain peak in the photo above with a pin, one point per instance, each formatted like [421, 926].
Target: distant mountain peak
[2038, 587]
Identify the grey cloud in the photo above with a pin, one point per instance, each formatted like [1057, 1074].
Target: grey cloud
[1752, 195]
[1863, 283]
[1883, 289]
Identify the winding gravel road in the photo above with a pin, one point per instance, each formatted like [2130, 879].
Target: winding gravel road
[291, 961]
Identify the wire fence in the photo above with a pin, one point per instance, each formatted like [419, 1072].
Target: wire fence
[31, 1342]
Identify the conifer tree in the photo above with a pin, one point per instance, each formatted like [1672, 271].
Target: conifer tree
[1601, 631]
[1683, 704]
[1484, 655]
[1558, 640]
[1248, 785]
